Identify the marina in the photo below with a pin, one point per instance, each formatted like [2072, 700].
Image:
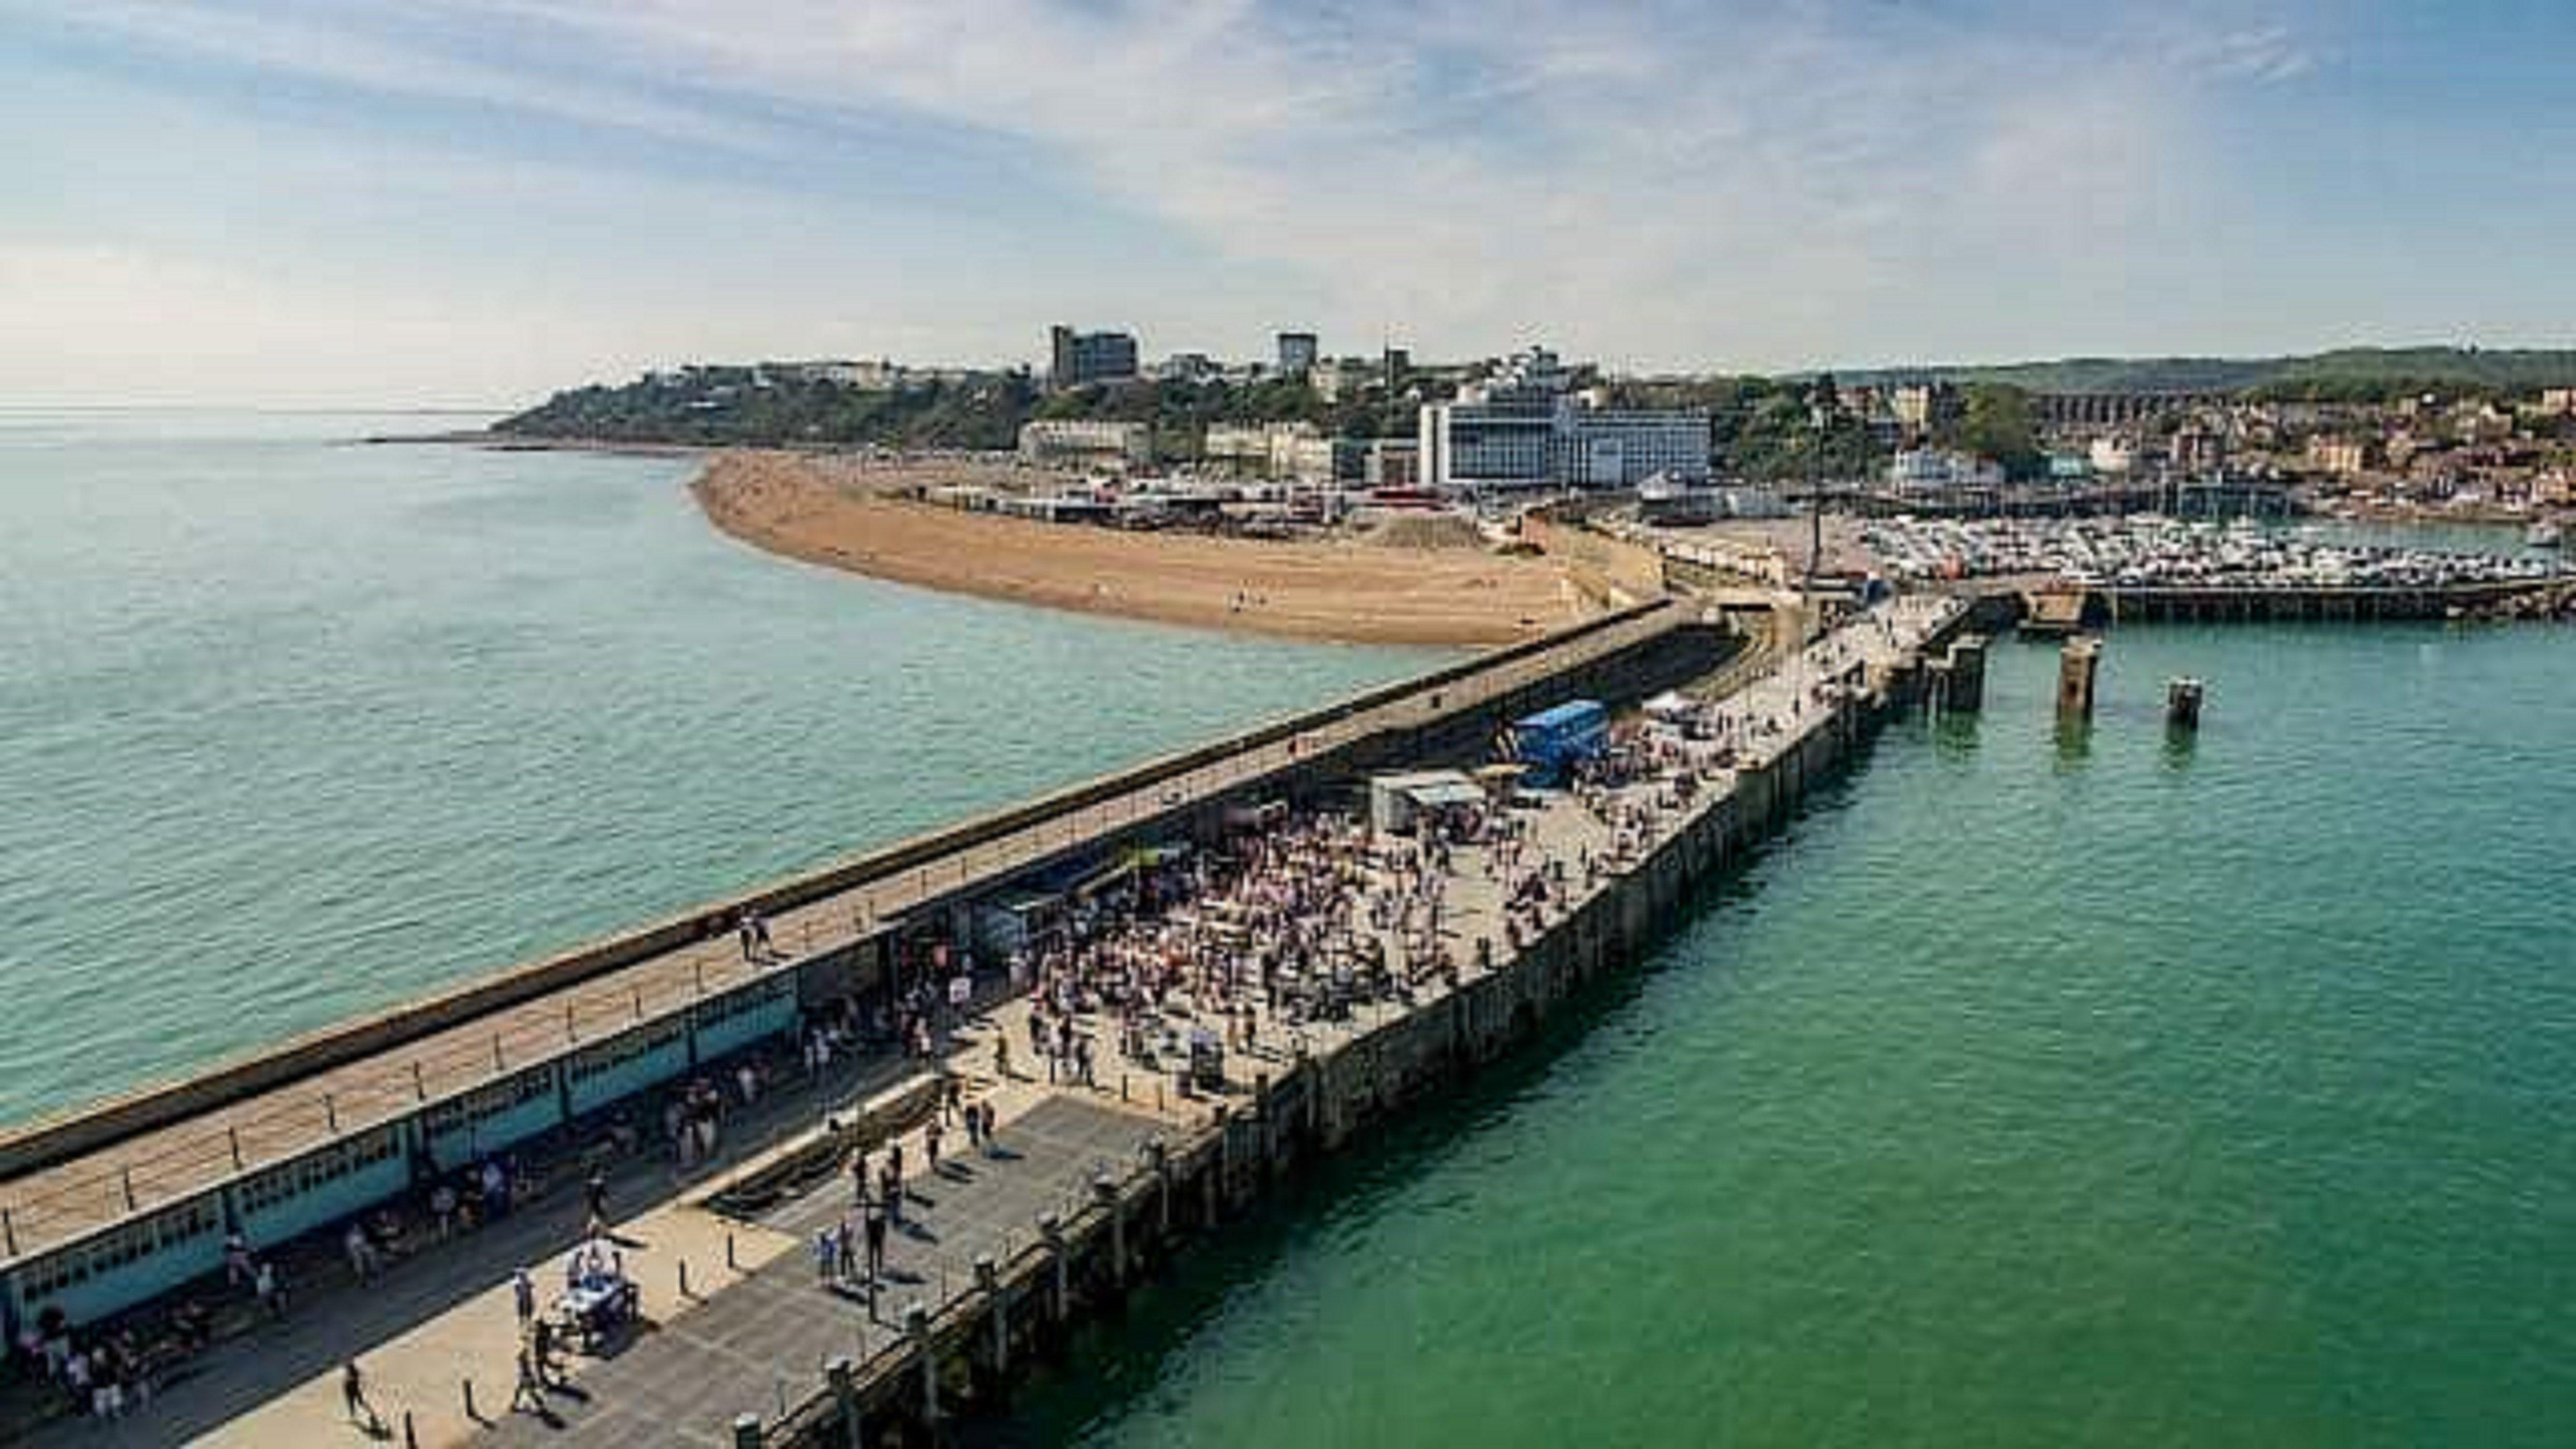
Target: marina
[2151, 552]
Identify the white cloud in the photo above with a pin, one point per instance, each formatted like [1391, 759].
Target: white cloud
[1735, 182]
[1739, 180]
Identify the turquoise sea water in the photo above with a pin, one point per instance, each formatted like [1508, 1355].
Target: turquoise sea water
[290, 728]
[2033, 1090]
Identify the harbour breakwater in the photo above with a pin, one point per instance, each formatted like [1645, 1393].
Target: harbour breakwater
[964, 1352]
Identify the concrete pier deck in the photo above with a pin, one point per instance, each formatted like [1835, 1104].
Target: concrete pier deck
[756, 1342]
[58, 1188]
[753, 1338]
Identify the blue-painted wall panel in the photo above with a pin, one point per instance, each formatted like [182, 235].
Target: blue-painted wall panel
[102, 1293]
[351, 1192]
[630, 1076]
[769, 1018]
[516, 1123]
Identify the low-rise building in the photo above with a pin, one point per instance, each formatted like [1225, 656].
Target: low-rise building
[1261, 450]
[1086, 440]
[1938, 470]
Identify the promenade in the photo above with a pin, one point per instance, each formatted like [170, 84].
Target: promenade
[755, 1342]
[757, 1321]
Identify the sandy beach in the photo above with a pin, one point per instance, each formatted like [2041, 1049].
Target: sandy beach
[844, 513]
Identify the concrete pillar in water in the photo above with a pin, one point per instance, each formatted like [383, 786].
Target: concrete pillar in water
[1057, 1301]
[988, 1279]
[2182, 703]
[1967, 674]
[2077, 663]
[746, 1431]
[916, 1331]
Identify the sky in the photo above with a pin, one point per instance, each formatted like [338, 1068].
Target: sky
[474, 202]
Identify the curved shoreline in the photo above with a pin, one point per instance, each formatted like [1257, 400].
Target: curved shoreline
[841, 516]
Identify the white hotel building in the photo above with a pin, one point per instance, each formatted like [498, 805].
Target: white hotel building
[1526, 428]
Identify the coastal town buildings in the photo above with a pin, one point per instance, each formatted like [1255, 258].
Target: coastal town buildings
[1526, 427]
[1297, 353]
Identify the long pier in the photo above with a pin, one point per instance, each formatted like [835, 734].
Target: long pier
[1104, 1183]
[126, 1200]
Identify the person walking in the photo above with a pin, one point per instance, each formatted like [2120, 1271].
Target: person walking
[523, 1295]
[876, 1231]
[353, 1397]
[527, 1391]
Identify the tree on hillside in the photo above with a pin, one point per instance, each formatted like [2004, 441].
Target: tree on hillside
[1997, 423]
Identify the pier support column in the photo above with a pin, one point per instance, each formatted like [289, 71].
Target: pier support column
[1105, 1193]
[1223, 1170]
[988, 1279]
[841, 1374]
[746, 1431]
[2077, 664]
[1059, 1297]
[916, 1331]
[1158, 1154]
[1967, 674]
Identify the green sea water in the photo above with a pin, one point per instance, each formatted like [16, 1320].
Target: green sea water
[291, 728]
[2037, 1088]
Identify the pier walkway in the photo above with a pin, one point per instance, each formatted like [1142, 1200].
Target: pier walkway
[756, 1342]
[66, 1198]
[752, 1338]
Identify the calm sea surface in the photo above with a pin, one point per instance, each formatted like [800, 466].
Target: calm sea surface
[2032, 1091]
[290, 728]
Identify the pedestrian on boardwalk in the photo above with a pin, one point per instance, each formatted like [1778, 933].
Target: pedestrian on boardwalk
[523, 1295]
[527, 1391]
[930, 1140]
[826, 1253]
[846, 1241]
[353, 1397]
[876, 1230]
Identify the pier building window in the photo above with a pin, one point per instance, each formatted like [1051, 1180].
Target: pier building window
[120, 1245]
[749, 999]
[266, 1189]
[485, 1103]
[612, 1054]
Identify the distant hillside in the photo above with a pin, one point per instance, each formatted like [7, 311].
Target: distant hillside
[2357, 372]
[727, 405]
[747, 405]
